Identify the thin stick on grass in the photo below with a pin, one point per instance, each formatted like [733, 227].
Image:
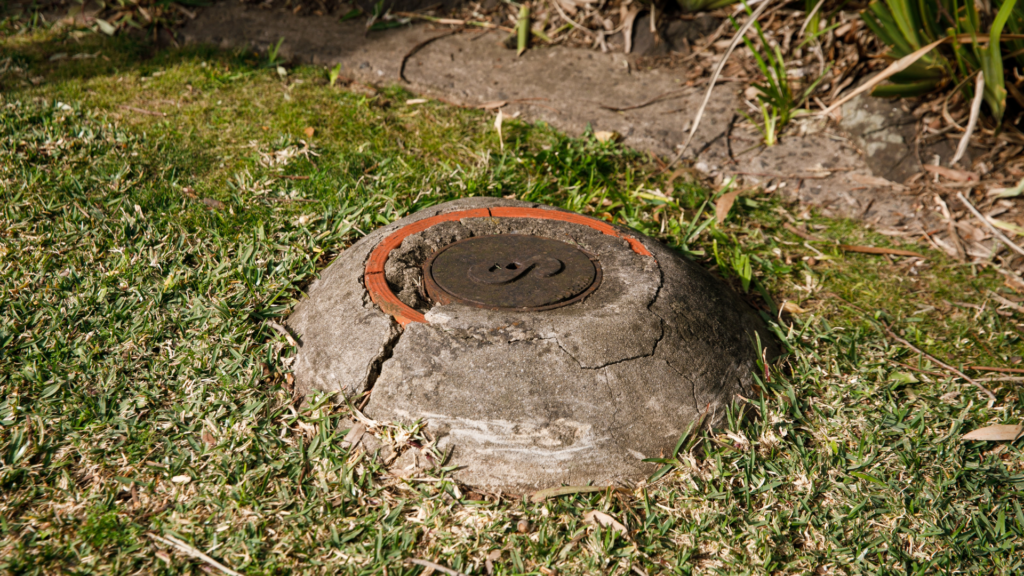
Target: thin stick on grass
[283, 332]
[718, 71]
[979, 91]
[997, 369]
[1009, 304]
[435, 566]
[189, 550]
[1002, 237]
[991, 396]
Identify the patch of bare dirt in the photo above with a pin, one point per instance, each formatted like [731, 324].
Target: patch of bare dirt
[874, 162]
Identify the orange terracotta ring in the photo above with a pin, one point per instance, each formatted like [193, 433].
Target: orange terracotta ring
[381, 293]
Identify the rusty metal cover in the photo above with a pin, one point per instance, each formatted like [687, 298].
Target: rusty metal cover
[511, 271]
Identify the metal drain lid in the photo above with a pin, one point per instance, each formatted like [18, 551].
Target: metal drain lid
[511, 271]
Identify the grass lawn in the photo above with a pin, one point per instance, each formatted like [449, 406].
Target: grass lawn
[158, 207]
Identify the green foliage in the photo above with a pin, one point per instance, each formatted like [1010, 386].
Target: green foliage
[272, 53]
[775, 94]
[908, 25]
[333, 74]
[737, 264]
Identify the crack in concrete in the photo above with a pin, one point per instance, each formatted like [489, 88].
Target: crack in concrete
[664, 324]
[693, 385]
[654, 349]
[387, 350]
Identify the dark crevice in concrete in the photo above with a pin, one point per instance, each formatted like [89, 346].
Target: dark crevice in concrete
[693, 386]
[661, 337]
[560, 347]
[386, 351]
[888, 127]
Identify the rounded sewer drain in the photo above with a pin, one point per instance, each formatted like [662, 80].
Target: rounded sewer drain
[511, 272]
[521, 400]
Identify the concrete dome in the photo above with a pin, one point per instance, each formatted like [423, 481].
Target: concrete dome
[598, 367]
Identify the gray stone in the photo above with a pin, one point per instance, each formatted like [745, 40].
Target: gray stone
[531, 399]
[886, 130]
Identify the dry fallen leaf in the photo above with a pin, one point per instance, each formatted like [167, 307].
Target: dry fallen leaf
[490, 559]
[996, 433]
[607, 136]
[215, 204]
[874, 181]
[951, 174]
[724, 204]
[309, 131]
[354, 435]
[791, 308]
[598, 518]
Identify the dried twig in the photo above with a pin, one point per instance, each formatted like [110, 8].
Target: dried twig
[805, 235]
[572, 22]
[627, 27]
[894, 68]
[877, 250]
[435, 566]
[283, 332]
[718, 71]
[655, 100]
[418, 47]
[996, 369]
[1008, 303]
[452, 21]
[189, 550]
[991, 396]
[979, 91]
[954, 236]
[1002, 237]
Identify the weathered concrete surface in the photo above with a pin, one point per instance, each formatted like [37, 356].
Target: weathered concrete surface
[344, 337]
[337, 307]
[533, 399]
